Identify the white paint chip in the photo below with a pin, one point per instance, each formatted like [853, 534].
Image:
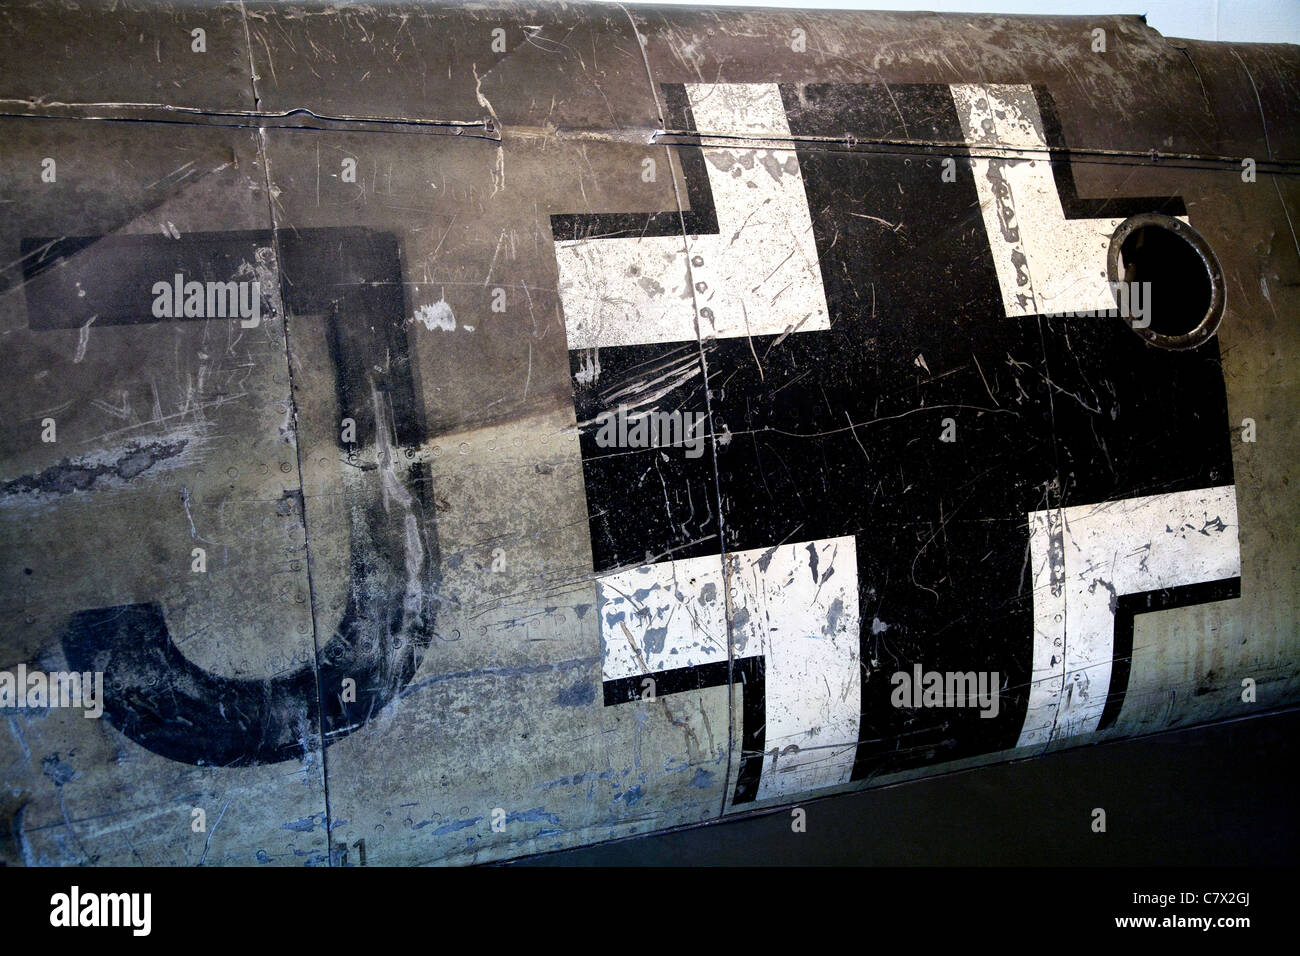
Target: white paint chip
[436, 316]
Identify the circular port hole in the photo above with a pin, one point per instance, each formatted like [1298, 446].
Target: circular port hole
[1167, 281]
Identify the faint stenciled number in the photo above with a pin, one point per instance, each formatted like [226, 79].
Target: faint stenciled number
[341, 853]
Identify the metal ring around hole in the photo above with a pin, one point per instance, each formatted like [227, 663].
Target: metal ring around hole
[1213, 317]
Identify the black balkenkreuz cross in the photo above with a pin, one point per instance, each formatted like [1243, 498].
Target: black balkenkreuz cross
[836, 432]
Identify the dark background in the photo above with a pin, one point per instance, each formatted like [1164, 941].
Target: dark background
[1219, 795]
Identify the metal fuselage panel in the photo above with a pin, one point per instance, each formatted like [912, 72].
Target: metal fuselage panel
[447, 435]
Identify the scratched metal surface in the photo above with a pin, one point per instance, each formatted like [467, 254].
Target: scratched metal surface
[495, 582]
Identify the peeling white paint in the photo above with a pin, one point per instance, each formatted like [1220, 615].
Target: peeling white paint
[1045, 263]
[796, 605]
[589, 371]
[662, 616]
[1085, 557]
[758, 276]
[436, 316]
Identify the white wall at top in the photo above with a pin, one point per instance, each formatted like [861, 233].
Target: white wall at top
[1243, 21]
